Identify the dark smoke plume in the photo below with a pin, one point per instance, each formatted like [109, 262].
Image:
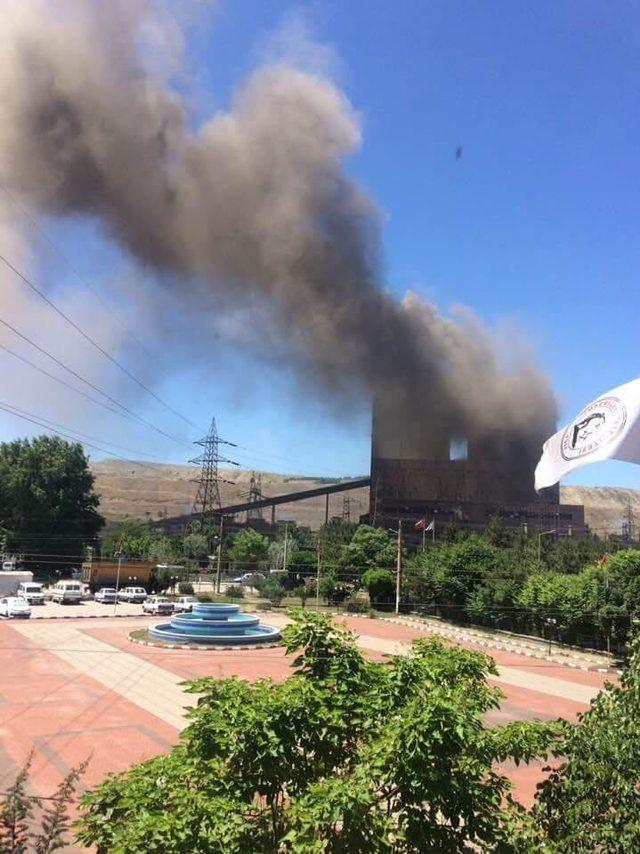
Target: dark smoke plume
[254, 204]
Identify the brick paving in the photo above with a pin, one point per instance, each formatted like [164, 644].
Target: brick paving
[71, 688]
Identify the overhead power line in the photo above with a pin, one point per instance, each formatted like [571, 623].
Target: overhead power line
[90, 384]
[67, 435]
[91, 340]
[56, 425]
[65, 259]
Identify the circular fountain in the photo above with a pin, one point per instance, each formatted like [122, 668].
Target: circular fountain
[214, 625]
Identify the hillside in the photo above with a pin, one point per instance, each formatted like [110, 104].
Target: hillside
[138, 491]
[132, 490]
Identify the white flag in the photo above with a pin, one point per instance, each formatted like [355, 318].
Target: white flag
[608, 428]
[430, 526]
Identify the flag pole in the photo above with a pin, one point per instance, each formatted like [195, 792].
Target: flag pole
[424, 531]
[399, 567]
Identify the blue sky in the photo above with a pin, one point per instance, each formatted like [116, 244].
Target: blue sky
[534, 227]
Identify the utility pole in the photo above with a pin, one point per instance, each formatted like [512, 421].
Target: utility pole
[399, 566]
[318, 577]
[119, 556]
[219, 561]
[286, 544]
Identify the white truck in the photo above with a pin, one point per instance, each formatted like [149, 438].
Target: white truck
[32, 592]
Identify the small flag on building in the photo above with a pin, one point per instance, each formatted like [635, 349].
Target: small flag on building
[421, 525]
[608, 428]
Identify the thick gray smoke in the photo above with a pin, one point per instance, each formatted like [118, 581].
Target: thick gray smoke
[254, 204]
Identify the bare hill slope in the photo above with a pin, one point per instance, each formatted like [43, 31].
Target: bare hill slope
[133, 490]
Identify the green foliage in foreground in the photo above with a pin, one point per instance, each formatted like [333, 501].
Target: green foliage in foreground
[345, 755]
[32, 824]
[592, 801]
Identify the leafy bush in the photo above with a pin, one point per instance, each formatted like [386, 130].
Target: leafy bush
[303, 592]
[273, 590]
[332, 590]
[234, 591]
[356, 605]
[205, 597]
[380, 584]
[346, 755]
[185, 588]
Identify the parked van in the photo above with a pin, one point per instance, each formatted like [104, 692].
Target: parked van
[132, 594]
[32, 592]
[67, 591]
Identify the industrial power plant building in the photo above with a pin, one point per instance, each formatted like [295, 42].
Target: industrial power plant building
[420, 471]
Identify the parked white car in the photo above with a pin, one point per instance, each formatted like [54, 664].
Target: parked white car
[184, 603]
[14, 607]
[32, 592]
[106, 595]
[157, 605]
[67, 592]
[132, 594]
[248, 578]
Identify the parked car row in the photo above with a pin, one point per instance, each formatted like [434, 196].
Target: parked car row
[150, 604]
[31, 594]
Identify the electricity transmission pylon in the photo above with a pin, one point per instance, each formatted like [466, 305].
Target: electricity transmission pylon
[255, 494]
[207, 503]
[346, 508]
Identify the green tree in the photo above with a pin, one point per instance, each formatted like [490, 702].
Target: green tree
[380, 584]
[591, 802]
[302, 592]
[195, 546]
[345, 755]
[47, 500]
[446, 576]
[370, 548]
[248, 548]
[131, 537]
[333, 537]
[300, 565]
[161, 550]
[331, 589]
[498, 534]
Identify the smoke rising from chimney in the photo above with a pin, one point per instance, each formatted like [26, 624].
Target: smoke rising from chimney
[254, 204]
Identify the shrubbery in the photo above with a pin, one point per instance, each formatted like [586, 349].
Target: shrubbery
[235, 591]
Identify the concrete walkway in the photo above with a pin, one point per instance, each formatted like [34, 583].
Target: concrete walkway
[158, 691]
[506, 674]
[150, 687]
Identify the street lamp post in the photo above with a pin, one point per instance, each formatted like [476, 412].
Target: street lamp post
[115, 604]
[550, 624]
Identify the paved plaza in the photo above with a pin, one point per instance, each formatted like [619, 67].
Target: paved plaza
[75, 687]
